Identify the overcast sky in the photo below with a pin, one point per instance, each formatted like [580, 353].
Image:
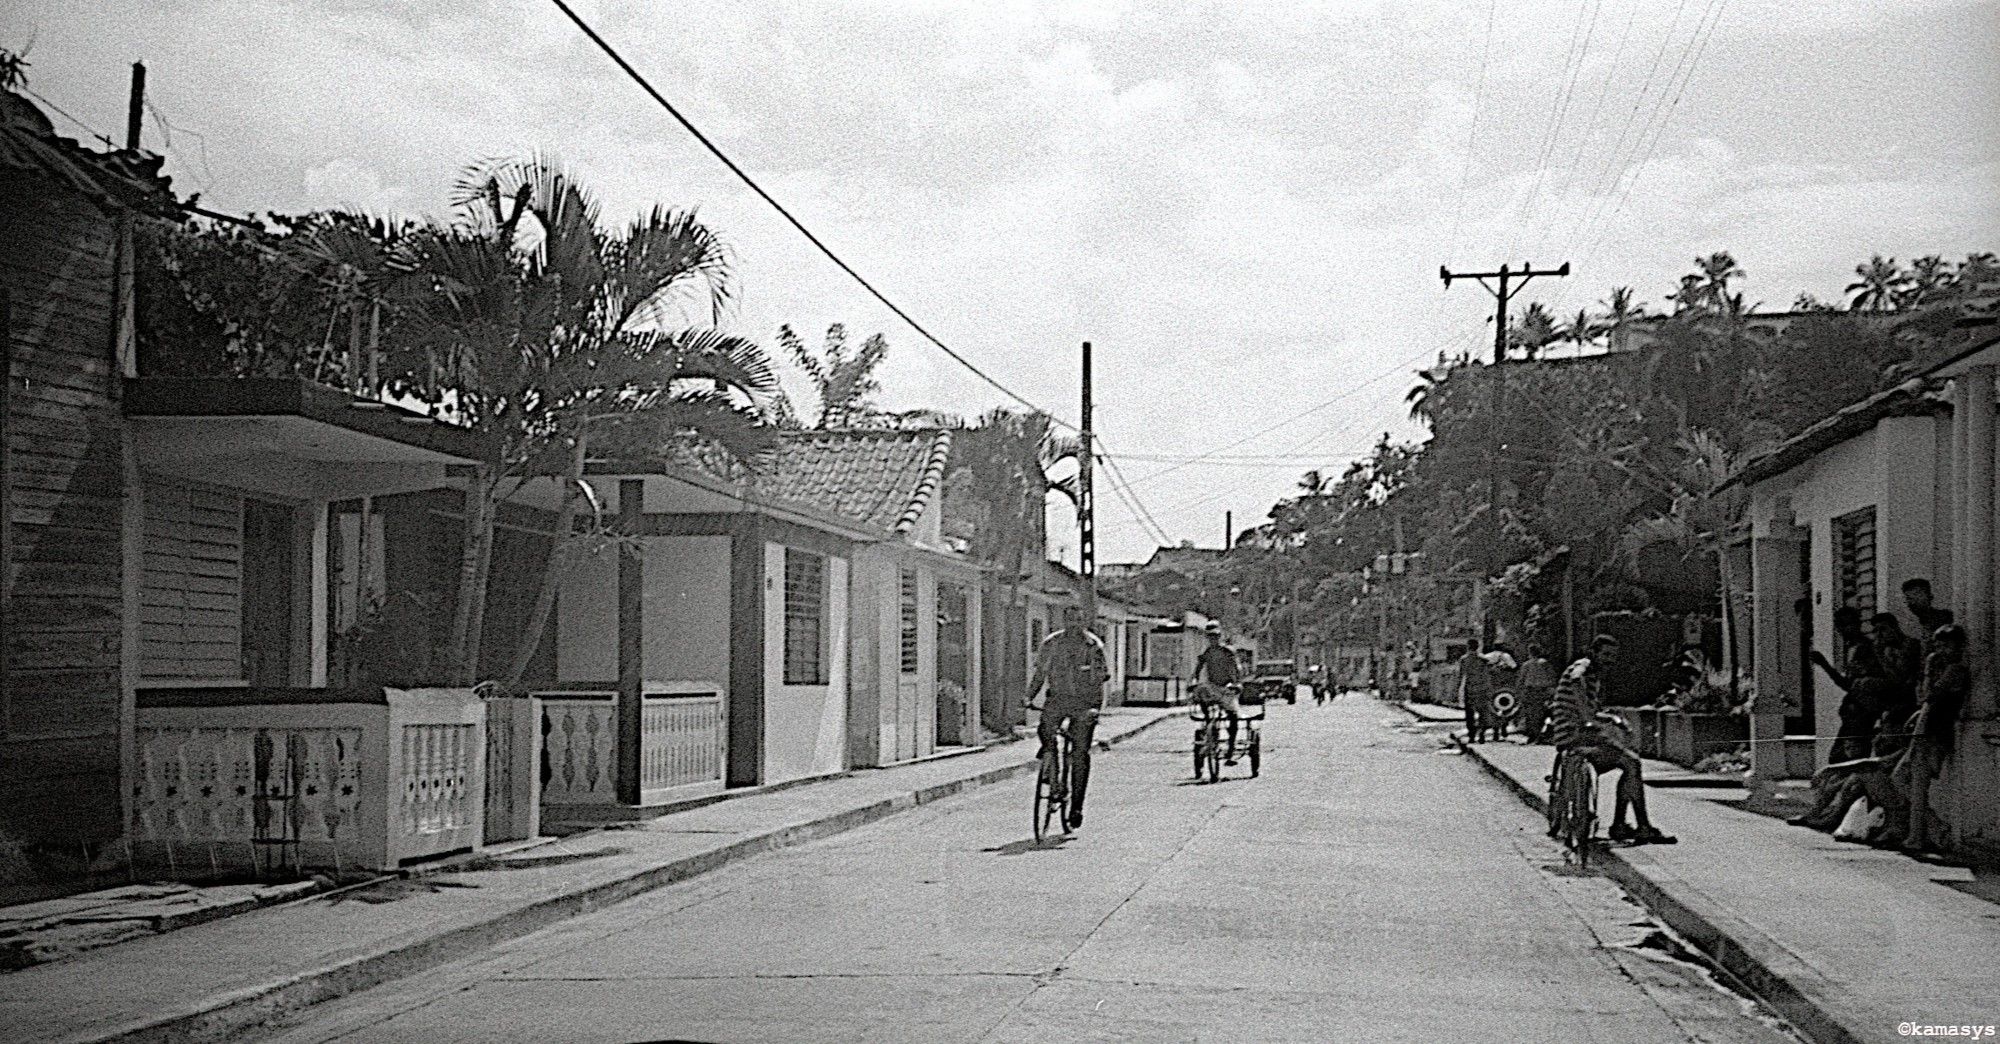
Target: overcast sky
[1242, 204]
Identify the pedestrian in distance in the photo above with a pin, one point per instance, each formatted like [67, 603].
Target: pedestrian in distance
[1475, 691]
[1537, 685]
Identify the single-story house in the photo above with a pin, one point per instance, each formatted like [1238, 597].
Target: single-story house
[1896, 487]
[800, 622]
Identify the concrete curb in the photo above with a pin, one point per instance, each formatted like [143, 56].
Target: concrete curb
[1759, 963]
[229, 1015]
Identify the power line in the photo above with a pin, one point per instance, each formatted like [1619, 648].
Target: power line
[1289, 420]
[745, 177]
[64, 113]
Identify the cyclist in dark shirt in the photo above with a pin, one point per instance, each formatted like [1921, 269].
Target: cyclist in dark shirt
[1072, 665]
[1215, 671]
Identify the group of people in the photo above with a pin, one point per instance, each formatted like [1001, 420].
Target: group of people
[1901, 699]
[1484, 675]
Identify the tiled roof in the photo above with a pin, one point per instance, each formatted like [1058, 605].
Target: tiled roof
[29, 144]
[880, 478]
[1912, 398]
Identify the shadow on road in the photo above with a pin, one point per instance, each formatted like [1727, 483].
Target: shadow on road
[1028, 845]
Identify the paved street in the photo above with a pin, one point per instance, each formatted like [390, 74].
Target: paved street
[1368, 887]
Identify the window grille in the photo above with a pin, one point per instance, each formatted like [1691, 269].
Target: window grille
[805, 618]
[1854, 564]
[909, 618]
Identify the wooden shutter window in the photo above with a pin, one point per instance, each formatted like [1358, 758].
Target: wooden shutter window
[191, 596]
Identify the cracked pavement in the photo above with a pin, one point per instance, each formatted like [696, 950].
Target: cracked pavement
[1367, 887]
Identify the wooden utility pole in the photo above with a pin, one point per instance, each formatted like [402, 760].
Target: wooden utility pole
[1228, 530]
[1502, 293]
[1086, 504]
[135, 111]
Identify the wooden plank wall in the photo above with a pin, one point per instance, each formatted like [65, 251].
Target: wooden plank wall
[63, 576]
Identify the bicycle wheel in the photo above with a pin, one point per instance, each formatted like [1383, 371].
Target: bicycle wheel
[1046, 791]
[1558, 799]
[1214, 754]
[1256, 754]
[1201, 740]
[1580, 815]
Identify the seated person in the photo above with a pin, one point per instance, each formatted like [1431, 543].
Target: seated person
[1575, 724]
[1215, 675]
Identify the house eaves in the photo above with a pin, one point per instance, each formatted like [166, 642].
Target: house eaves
[753, 500]
[1912, 398]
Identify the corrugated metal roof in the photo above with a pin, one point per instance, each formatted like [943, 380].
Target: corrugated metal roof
[880, 478]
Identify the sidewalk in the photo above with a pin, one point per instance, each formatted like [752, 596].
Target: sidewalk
[212, 980]
[1846, 941]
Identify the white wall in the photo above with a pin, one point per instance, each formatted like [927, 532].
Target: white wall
[687, 613]
[805, 726]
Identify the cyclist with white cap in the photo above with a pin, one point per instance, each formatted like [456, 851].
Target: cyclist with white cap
[1215, 678]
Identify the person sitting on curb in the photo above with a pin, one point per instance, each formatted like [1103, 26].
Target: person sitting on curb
[1576, 724]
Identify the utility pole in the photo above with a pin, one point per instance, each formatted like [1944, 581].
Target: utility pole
[1502, 293]
[135, 111]
[1086, 504]
[1228, 529]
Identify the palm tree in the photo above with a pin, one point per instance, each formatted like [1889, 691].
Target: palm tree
[1535, 330]
[844, 382]
[1717, 270]
[1880, 285]
[1621, 311]
[1929, 277]
[1583, 330]
[546, 333]
[1693, 294]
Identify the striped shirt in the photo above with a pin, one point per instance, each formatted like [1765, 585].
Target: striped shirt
[1573, 711]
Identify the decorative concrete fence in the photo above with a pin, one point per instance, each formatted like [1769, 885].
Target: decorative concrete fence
[340, 778]
[681, 745]
[513, 769]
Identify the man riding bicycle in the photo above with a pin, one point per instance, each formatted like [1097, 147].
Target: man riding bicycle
[1071, 665]
[1215, 674]
[1576, 725]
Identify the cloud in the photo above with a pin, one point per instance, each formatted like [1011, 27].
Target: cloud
[1243, 205]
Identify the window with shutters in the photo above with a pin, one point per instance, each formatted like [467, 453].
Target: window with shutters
[191, 592]
[909, 619]
[805, 618]
[1854, 559]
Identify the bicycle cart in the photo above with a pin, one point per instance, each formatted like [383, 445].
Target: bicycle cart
[1211, 736]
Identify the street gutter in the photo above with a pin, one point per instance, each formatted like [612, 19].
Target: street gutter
[1760, 964]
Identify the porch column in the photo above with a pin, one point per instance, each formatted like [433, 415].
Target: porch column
[631, 641]
[1977, 543]
[1776, 656]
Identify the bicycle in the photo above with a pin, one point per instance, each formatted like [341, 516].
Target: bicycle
[1572, 803]
[1052, 784]
[1209, 742]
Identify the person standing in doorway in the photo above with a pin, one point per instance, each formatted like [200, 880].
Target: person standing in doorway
[1918, 598]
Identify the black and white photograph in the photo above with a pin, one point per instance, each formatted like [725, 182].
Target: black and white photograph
[999, 521]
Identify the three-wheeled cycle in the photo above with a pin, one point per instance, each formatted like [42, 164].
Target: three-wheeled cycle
[1211, 734]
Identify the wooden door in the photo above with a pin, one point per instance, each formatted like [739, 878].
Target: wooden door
[269, 537]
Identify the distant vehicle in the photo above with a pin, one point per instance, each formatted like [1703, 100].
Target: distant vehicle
[1273, 680]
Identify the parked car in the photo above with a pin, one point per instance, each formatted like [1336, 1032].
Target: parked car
[1273, 680]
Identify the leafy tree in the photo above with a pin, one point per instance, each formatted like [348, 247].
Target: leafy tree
[1717, 270]
[1532, 332]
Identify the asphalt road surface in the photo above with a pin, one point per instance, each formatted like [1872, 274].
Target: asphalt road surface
[1370, 886]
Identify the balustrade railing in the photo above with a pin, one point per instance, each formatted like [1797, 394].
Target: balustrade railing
[682, 740]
